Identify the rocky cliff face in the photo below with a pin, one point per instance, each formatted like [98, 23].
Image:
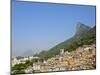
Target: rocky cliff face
[81, 29]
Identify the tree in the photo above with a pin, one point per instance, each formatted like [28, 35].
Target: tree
[28, 63]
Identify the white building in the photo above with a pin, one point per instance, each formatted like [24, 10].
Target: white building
[29, 70]
[15, 61]
[31, 57]
[36, 66]
[61, 51]
[87, 48]
[25, 58]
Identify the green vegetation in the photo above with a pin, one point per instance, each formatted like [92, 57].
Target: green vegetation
[79, 39]
[19, 68]
[28, 63]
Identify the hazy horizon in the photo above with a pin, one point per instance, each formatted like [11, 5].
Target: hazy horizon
[41, 26]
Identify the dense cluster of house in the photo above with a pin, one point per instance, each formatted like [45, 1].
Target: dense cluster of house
[82, 58]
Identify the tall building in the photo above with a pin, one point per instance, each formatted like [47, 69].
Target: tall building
[61, 51]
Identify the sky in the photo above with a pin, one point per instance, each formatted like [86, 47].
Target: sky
[40, 26]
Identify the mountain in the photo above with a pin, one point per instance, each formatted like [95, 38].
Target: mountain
[81, 29]
[92, 31]
[28, 53]
[84, 35]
